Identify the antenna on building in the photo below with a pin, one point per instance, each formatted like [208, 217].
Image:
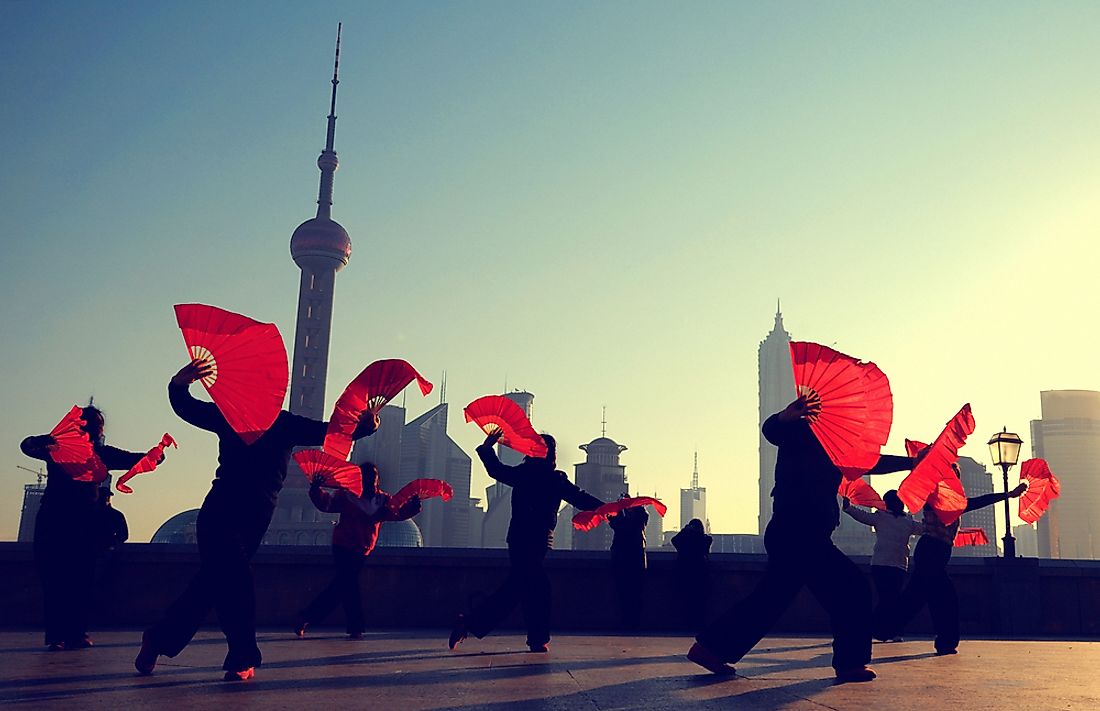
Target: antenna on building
[443, 388]
[91, 400]
[695, 472]
[603, 423]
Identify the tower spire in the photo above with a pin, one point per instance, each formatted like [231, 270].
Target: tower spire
[695, 472]
[328, 162]
[603, 423]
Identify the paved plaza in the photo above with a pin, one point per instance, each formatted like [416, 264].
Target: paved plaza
[414, 670]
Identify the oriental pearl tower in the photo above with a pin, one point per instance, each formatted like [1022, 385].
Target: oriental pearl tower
[320, 247]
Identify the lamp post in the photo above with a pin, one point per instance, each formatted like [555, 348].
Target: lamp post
[1004, 447]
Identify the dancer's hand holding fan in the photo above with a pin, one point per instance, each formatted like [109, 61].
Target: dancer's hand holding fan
[376, 385]
[245, 365]
[847, 402]
[497, 415]
[323, 469]
[1042, 488]
[423, 489]
[146, 464]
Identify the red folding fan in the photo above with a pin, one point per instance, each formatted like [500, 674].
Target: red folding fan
[496, 413]
[146, 464]
[379, 383]
[250, 374]
[335, 473]
[860, 493]
[424, 488]
[72, 449]
[970, 537]
[857, 407]
[1042, 488]
[587, 520]
[933, 479]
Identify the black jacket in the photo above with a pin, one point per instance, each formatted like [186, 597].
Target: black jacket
[806, 480]
[537, 492]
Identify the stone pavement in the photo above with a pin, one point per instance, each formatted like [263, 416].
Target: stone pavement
[414, 670]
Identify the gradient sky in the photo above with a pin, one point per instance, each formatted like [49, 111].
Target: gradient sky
[596, 201]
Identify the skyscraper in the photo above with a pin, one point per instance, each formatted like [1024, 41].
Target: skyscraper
[1068, 438]
[428, 451]
[320, 247]
[693, 501]
[977, 481]
[32, 501]
[776, 391]
[601, 475]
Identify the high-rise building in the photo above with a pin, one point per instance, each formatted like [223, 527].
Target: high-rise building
[498, 497]
[776, 391]
[977, 481]
[32, 500]
[602, 476]
[1068, 438]
[1027, 540]
[428, 451]
[693, 501]
[320, 247]
[383, 448]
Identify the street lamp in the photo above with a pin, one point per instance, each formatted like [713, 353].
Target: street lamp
[1004, 447]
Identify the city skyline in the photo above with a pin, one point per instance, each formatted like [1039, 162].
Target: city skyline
[600, 204]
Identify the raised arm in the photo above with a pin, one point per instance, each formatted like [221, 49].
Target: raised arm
[37, 447]
[493, 466]
[307, 432]
[323, 500]
[203, 415]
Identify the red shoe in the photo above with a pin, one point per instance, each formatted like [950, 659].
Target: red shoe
[300, 629]
[855, 675]
[459, 633]
[709, 660]
[539, 648]
[56, 647]
[243, 675]
[146, 660]
[84, 642]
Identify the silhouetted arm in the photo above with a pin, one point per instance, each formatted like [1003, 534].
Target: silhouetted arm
[411, 508]
[323, 500]
[493, 466]
[578, 497]
[867, 518]
[37, 447]
[891, 463]
[778, 431]
[203, 415]
[118, 459]
[980, 502]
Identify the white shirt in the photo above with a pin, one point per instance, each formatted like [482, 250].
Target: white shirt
[892, 534]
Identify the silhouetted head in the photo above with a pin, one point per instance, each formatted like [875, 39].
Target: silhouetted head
[370, 478]
[551, 450]
[893, 502]
[695, 524]
[93, 423]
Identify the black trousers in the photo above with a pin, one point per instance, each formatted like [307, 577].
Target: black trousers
[929, 585]
[888, 584]
[64, 556]
[528, 585]
[344, 589]
[798, 558]
[230, 529]
[693, 591]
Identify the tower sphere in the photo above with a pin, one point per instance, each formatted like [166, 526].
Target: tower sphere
[320, 243]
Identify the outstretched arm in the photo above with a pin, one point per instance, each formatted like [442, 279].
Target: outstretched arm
[323, 500]
[578, 497]
[865, 517]
[892, 463]
[980, 502]
[116, 459]
[308, 432]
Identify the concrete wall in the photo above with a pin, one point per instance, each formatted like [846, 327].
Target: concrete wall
[426, 587]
